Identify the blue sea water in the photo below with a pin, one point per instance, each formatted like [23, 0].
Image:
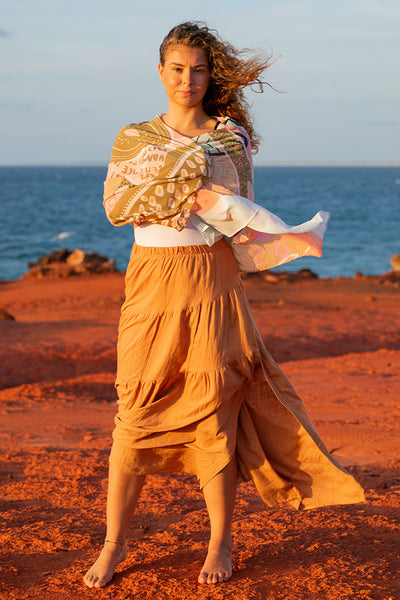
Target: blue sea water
[44, 208]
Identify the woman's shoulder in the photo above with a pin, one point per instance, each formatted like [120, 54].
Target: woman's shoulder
[133, 128]
[145, 130]
[132, 138]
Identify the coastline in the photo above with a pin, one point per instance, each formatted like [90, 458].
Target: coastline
[293, 163]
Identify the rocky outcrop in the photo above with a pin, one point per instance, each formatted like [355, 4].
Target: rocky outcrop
[279, 276]
[4, 314]
[395, 262]
[66, 263]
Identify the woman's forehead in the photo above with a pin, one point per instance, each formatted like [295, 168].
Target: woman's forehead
[182, 54]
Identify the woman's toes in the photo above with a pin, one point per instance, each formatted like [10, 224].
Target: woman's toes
[89, 581]
[203, 577]
[217, 566]
[212, 578]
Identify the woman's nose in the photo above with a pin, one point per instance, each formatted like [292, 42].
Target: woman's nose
[188, 76]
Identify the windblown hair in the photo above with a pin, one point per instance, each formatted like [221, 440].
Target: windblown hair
[230, 73]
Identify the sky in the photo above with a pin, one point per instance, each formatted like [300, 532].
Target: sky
[72, 73]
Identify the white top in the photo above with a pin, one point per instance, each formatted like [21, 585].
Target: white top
[149, 234]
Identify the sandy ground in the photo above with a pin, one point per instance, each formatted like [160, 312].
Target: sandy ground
[339, 343]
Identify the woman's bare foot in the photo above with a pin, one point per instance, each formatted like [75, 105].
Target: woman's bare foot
[218, 564]
[102, 571]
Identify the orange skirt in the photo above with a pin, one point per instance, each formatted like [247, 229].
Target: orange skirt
[197, 387]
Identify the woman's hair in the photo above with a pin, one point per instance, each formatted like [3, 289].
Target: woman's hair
[229, 73]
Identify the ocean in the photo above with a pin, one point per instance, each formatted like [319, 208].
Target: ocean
[44, 208]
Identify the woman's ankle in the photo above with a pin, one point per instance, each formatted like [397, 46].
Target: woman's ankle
[116, 542]
[224, 541]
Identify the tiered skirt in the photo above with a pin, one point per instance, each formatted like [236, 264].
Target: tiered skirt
[197, 388]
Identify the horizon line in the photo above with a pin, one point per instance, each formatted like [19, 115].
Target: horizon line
[263, 164]
[332, 163]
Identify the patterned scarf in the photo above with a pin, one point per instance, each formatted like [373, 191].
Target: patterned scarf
[153, 178]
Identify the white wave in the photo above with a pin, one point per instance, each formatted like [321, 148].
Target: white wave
[62, 235]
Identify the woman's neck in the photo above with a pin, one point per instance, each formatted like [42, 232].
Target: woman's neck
[188, 122]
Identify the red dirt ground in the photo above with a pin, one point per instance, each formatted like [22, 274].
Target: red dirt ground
[339, 343]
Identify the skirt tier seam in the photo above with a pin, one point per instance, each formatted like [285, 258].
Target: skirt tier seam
[183, 309]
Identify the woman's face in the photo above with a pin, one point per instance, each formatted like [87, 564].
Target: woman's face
[185, 75]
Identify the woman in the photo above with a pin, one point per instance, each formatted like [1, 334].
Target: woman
[197, 390]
